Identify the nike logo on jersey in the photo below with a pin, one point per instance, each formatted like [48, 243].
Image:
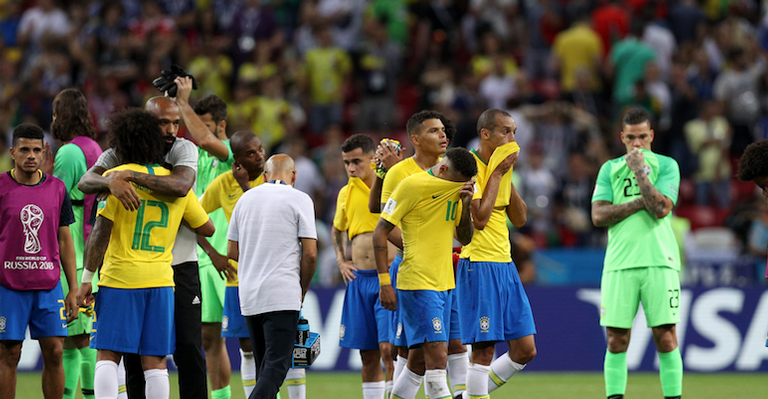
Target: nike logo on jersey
[232, 195]
[435, 196]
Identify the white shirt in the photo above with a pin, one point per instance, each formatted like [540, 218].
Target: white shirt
[267, 223]
[496, 90]
[182, 153]
[35, 21]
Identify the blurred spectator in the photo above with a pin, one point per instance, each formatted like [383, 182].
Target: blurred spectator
[6, 162]
[701, 75]
[10, 12]
[212, 69]
[261, 67]
[585, 96]
[611, 22]
[578, 49]
[36, 21]
[574, 198]
[345, 19]
[395, 13]
[658, 89]
[757, 238]
[537, 188]
[253, 23]
[226, 12]
[737, 87]
[270, 115]
[378, 63]
[627, 60]
[483, 63]
[182, 11]
[153, 32]
[308, 176]
[499, 86]
[325, 70]
[687, 21]
[544, 23]
[684, 108]
[662, 41]
[709, 138]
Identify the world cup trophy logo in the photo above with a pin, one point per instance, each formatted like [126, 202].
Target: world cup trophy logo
[31, 218]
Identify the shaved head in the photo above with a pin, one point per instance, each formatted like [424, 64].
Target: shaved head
[157, 105]
[280, 167]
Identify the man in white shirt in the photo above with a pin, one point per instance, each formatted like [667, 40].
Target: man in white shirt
[272, 236]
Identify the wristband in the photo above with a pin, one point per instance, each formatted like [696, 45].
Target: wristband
[385, 279]
[381, 173]
[87, 276]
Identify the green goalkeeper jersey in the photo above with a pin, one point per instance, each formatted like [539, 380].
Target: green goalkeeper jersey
[640, 240]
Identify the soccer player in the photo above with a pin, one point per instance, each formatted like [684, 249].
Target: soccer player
[35, 246]
[135, 311]
[222, 194]
[753, 166]
[634, 196]
[429, 133]
[493, 303]
[72, 125]
[182, 155]
[426, 207]
[364, 322]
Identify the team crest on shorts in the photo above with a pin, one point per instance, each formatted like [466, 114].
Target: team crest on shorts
[224, 322]
[602, 310]
[399, 329]
[485, 324]
[2, 324]
[342, 331]
[437, 325]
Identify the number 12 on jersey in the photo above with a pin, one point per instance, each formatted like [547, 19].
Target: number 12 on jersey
[142, 231]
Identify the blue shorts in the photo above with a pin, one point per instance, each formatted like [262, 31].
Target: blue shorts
[364, 322]
[396, 336]
[42, 310]
[136, 321]
[426, 315]
[494, 306]
[233, 321]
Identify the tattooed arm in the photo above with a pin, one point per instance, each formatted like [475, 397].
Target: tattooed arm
[177, 184]
[95, 248]
[605, 213]
[655, 202]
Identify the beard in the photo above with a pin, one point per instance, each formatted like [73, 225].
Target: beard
[167, 145]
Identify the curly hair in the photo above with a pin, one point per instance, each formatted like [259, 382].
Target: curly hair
[361, 141]
[462, 161]
[418, 118]
[213, 105]
[72, 116]
[754, 162]
[136, 137]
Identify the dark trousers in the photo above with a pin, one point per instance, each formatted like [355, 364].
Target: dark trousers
[272, 335]
[193, 383]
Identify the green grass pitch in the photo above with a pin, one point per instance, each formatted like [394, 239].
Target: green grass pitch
[525, 385]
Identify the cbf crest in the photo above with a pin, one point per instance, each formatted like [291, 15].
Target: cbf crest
[342, 331]
[485, 324]
[2, 324]
[437, 325]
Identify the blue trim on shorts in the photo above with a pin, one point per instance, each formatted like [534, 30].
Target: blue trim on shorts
[233, 321]
[139, 321]
[493, 303]
[364, 322]
[42, 310]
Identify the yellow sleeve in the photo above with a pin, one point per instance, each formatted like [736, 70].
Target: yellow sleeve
[340, 221]
[108, 207]
[391, 181]
[210, 201]
[402, 201]
[194, 214]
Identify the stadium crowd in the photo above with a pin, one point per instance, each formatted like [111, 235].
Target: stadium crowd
[303, 74]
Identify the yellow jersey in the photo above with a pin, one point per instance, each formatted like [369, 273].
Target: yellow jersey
[427, 209]
[352, 214]
[401, 170]
[492, 243]
[223, 192]
[139, 251]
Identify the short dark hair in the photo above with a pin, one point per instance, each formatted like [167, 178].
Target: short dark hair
[136, 137]
[213, 105]
[462, 161]
[635, 116]
[27, 131]
[487, 119]
[239, 139]
[450, 128]
[418, 118]
[361, 141]
[72, 116]
[754, 162]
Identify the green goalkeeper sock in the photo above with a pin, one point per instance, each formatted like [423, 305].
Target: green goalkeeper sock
[615, 372]
[87, 369]
[223, 393]
[71, 363]
[671, 373]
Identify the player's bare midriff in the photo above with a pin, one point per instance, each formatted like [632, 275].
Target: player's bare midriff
[362, 252]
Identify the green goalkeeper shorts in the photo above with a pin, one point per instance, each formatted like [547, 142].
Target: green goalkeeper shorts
[657, 288]
[212, 287]
[82, 324]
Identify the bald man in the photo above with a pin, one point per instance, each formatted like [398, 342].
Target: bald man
[272, 236]
[182, 156]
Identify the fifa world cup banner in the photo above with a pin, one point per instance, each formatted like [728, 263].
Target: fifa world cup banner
[721, 329]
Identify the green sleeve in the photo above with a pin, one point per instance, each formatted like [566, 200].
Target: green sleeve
[668, 182]
[603, 190]
[67, 165]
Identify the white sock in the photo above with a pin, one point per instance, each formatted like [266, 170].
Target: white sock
[400, 364]
[373, 390]
[437, 384]
[105, 380]
[158, 386]
[296, 381]
[122, 391]
[407, 385]
[388, 388]
[457, 372]
[502, 369]
[477, 381]
[247, 372]
[424, 380]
